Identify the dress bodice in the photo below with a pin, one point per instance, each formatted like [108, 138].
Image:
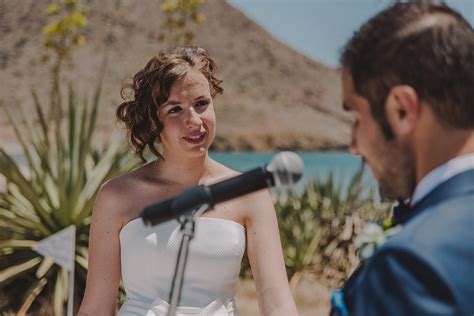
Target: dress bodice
[148, 258]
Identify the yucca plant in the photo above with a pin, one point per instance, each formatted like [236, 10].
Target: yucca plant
[318, 228]
[299, 231]
[342, 218]
[54, 188]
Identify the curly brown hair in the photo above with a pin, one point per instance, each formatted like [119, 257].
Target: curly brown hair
[150, 88]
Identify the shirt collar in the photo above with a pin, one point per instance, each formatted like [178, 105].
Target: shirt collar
[440, 174]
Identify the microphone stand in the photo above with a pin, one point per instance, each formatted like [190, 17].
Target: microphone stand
[187, 222]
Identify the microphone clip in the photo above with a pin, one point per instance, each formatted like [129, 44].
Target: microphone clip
[193, 214]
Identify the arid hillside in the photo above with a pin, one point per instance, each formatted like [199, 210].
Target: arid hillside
[274, 97]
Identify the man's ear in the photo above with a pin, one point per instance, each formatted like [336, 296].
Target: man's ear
[402, 110]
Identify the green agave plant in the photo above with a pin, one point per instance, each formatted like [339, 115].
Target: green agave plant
[318, 228]
[54, 188]
[299, 231]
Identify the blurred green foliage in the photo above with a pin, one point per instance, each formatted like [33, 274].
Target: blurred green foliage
[62, 33]
[54, 188]
[176, 30]
[319, 226]
[67, 20]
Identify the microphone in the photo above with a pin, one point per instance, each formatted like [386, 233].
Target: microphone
[285, 169]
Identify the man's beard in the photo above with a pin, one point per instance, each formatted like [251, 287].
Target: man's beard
[397, 179]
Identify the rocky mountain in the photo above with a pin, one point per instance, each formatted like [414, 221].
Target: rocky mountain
[274, 98]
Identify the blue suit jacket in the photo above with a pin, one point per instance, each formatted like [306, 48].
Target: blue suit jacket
[427, 268]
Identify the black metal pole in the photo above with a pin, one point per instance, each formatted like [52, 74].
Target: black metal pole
[187, 229]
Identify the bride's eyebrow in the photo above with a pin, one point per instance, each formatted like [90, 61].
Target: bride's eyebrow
[168, 103]
[201, 97]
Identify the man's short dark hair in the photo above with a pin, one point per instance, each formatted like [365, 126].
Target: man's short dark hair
[423, 44]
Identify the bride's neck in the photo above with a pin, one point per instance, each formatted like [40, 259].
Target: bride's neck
[185, 171]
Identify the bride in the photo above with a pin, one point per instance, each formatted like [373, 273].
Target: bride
[172, 105]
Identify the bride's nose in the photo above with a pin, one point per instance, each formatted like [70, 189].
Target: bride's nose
[193, 119]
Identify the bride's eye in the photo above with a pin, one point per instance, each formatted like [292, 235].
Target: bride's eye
[174, 109]
[202, 103]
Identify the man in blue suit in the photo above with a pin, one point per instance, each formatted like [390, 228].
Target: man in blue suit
[408, 81]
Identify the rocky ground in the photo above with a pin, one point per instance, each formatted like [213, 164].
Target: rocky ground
[311, 298]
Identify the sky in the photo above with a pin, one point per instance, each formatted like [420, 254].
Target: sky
[320, 28]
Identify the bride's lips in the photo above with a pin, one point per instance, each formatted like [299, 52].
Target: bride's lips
[195, 138]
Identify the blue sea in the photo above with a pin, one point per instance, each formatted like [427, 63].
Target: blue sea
[317, 165]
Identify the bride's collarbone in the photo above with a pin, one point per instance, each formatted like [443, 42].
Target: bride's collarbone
[147, 193]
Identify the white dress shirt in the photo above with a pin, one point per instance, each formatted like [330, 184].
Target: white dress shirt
[440, 174]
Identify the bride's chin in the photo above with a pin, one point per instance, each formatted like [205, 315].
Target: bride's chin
[198, 151]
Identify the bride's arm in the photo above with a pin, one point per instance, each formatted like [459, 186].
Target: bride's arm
[103, 276]
[266, 257]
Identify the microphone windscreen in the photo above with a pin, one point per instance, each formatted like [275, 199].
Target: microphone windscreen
[287, 168]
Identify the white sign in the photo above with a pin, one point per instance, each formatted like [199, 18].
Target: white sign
[60, 247]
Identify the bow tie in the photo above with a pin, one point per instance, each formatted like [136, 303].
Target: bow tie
[401, 211]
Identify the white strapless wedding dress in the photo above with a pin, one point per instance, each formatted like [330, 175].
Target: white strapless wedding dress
[148, 258]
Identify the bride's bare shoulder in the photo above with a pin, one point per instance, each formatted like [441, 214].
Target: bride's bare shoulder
[127, 182]
[120, 193]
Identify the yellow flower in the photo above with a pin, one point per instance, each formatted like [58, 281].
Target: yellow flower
[51, 28]
[199, 18]
[80, 40]
[79, 19]
[169, 5]
[53, 9]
